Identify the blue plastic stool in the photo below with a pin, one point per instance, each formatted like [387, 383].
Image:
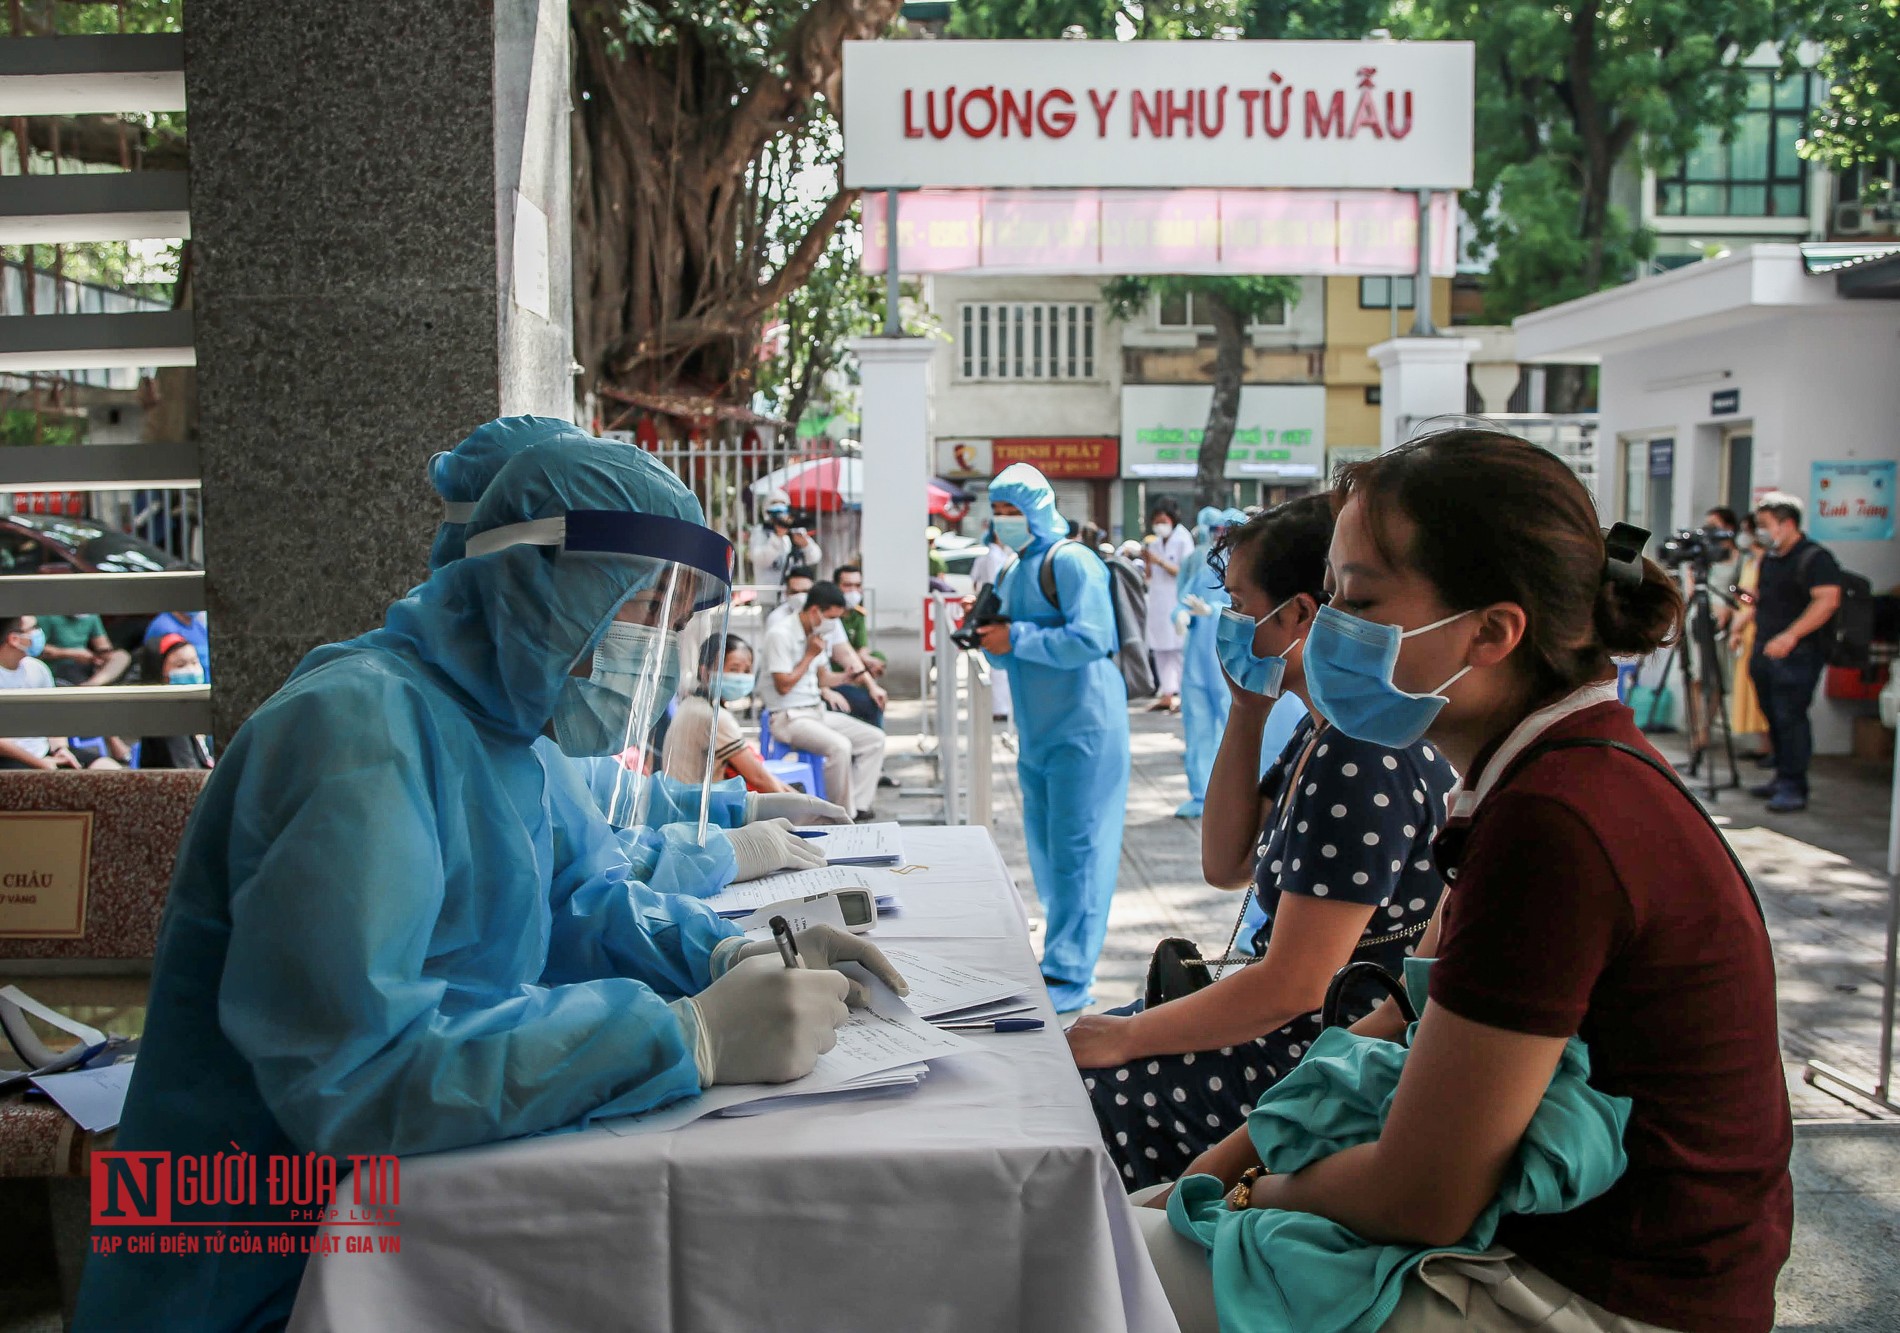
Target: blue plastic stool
[798, 771]
[774, 751]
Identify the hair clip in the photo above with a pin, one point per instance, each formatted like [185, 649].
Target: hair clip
[1623, 554]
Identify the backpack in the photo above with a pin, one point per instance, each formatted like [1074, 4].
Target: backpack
[1128, 592]
[1847, 639]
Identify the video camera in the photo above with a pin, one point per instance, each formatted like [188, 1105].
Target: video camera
[986, 610]
[1700, 547]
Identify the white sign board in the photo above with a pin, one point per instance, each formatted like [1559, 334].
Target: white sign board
[1318, 115]
[1279, 436]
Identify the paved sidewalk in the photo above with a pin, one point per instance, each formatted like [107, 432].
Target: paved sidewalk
[1821, 877]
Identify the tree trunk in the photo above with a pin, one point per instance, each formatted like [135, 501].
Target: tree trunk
[682, 164]
[1210, 473]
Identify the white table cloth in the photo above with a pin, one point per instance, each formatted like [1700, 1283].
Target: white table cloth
[982, 1201]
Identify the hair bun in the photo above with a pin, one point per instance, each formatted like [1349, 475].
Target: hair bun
[1635, 619]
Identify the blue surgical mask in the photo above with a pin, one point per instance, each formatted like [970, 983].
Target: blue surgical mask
[737, 685]
[1233, 645]
[1349, 665]
[35, 642]
[1012, 530]
[186, 676]
[633, 667]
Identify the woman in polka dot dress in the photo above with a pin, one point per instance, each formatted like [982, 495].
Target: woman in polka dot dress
[1335, 841]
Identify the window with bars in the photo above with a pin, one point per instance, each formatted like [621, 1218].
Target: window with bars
[1755, 171]
[1027, 340]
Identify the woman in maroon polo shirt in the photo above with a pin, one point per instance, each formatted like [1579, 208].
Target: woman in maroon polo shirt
[1586, 897]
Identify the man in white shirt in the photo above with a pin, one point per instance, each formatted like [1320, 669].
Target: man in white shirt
[21, 669]
[778, 546]
[794, 681]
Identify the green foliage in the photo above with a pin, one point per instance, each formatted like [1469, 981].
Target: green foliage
[21, 426]
[1567, 93]
[836, 303]
[148, 268]
[1859, 122]
[1252, 297]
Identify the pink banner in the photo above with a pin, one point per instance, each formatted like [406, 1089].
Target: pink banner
[1295, 232]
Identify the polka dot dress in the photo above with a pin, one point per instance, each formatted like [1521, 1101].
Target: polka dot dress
[1359, 829]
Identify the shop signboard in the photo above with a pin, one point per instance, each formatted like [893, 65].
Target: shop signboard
[1295, 115]
[1279, 435]
[1852, 501]
[1057, 457]
[963, 460]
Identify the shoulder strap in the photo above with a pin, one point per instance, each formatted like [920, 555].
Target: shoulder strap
[1542, 748]
[1046, 576]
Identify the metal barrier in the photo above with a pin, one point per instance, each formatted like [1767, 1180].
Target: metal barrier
[957, 694]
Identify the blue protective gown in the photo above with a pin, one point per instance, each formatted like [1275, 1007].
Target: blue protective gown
[1072, 718]
[665, 852]
[1204, 696]
[669, 859]
[393, 928]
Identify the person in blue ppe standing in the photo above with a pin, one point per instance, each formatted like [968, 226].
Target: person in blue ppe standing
[1199, 597]
[378, 938]
[1072, 720]
[667, 853]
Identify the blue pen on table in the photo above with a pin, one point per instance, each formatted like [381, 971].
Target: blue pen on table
[809, 833]
[787, 946]
[995, 1025]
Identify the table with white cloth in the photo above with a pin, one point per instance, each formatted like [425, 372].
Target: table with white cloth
[982, 1200]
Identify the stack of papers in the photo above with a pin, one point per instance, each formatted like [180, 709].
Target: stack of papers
[858, 844]
[879, 1048]
[740, 900]
[945, 992]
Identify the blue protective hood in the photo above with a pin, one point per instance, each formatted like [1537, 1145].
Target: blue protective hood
[1023, 486]
[498, 632]
[1234, 517]
[463, 474]
[1210, 517]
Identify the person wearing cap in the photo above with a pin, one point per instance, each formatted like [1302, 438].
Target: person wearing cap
[1072, 718]
[778, 546]
[378, 939]
[173, 660]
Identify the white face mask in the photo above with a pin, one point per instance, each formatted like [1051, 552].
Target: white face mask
[1164, 530]
[852, 597]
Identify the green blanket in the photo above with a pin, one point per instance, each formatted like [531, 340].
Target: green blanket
[1285, 1272]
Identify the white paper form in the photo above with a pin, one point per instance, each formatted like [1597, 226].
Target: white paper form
[875, 1040]
[94, 1098]
[939, 987]
[744, 899]
[860, 844]
[90, 1036]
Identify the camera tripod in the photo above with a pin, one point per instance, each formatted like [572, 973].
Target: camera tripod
[1699, 642]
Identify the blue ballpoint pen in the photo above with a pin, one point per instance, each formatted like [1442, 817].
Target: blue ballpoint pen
[995, 1025]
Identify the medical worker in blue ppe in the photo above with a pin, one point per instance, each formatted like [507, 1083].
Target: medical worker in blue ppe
[1199, 597]
[668, 851]
[1072, 721]
[378, 940]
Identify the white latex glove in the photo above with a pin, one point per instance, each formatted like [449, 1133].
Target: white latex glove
[826, 947]
[1181, 619]
[1199, 605]
[795, 806]
[766, 848]
[763, 1022]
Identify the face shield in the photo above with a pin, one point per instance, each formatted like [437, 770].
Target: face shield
[622, 692]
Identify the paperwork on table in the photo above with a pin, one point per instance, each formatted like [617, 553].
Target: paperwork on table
[739, 900]
[94, 1098]
[882, 1049]
[858, 844]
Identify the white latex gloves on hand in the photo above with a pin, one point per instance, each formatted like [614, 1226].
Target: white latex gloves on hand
[826, 947]
[795, 806]
[763, 1022]
[1181, 619]
[765, 849]
[1199, 605]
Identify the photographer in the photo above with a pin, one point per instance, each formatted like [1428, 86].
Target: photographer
[778, 546]
[1800, 589]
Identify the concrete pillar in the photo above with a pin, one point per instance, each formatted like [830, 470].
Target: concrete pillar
[1419, 378]
[895, 409]
[380, 214]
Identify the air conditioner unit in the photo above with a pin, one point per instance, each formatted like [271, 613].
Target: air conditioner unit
[1850, 220]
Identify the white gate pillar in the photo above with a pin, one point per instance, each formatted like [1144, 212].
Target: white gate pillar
[895, 435]
[1419, 378]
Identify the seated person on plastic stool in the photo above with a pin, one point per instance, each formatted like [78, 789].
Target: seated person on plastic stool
[796, 687]
[687, 741]
[21, 639]
[856, 671]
